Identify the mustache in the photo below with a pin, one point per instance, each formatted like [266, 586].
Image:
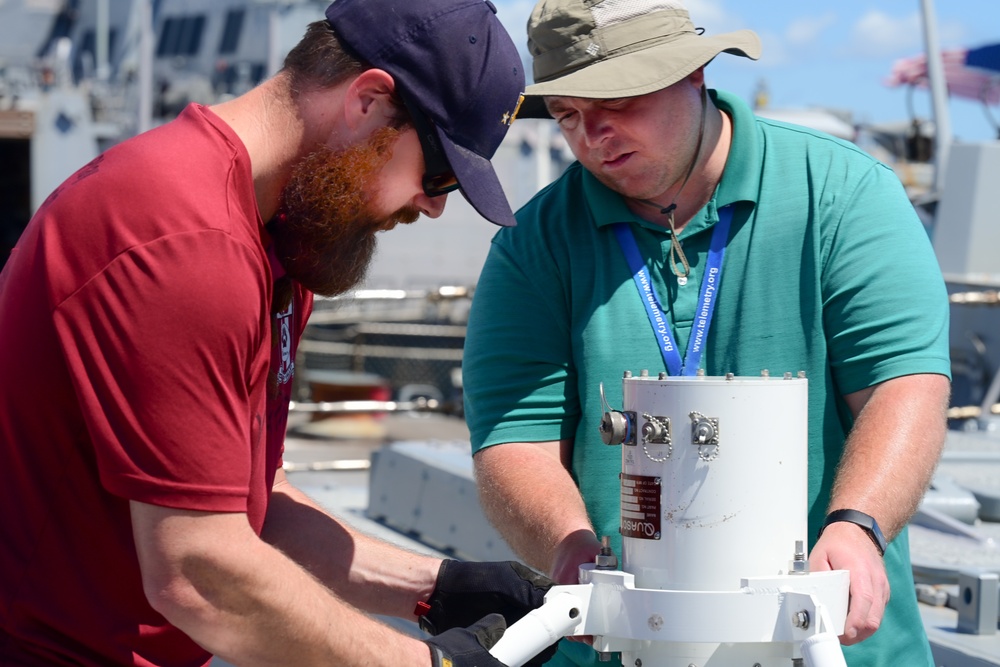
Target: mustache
[403, 216]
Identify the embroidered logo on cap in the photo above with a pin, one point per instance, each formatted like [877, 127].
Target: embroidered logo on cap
[509, 117]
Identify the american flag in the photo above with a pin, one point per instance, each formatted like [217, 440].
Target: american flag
[969, 73]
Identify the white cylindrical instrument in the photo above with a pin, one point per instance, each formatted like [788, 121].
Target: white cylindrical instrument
[714, 486]
[714, 507]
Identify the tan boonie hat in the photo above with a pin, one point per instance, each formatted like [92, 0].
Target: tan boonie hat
[620, 48]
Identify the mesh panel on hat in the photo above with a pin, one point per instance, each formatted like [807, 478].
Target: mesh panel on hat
[610, 12]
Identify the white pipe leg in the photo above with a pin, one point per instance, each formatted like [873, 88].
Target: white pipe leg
[823, 650]
[538, 630]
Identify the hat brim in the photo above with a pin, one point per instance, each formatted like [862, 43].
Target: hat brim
[478, 182]
[640, 72]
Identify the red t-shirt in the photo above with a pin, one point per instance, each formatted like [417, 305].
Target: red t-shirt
[135, 348]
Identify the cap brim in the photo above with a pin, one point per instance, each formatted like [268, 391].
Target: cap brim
[533, 106]
[478, 182]
[645, 71]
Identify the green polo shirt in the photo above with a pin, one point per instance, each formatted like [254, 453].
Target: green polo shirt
[827, 270]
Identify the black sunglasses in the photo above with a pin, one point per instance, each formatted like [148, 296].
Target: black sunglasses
[439, 179]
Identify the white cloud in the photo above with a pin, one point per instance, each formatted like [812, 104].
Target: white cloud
[706, 12]
[809, 29]
[774, 49]
[879, 34]
[713, 17]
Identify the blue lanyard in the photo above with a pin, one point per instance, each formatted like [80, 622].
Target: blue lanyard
[706, 300]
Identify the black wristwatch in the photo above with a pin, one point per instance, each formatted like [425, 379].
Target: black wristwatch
[865, 521]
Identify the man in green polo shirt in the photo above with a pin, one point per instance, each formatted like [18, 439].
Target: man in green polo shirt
[826, 269]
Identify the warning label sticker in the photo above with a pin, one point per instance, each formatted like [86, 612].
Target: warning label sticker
[640, 507]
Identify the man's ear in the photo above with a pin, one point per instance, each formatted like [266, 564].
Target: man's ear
[369, 101]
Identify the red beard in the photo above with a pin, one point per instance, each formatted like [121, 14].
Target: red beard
[324, 232]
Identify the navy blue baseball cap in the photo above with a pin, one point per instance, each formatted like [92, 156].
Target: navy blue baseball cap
[455, 62]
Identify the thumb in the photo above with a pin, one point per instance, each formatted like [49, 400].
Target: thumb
[819, 560]
[488, 630]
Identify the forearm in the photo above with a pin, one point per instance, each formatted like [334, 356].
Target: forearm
[367, 572]
[893, 449]
[543, 521]
[245, 601]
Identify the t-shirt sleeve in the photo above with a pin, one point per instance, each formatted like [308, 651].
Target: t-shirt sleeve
[885, 306]
[162, 350]
[518, 375]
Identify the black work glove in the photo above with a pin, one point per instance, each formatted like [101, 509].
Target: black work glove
[461, 647]
[465, 592]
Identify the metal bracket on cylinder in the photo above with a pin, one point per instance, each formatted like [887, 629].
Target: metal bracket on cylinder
[763, 610]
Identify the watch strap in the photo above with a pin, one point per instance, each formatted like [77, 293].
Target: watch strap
[865, 521]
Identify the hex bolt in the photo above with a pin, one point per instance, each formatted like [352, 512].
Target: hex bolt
[801, 619]
[606, 559]
[799, 564]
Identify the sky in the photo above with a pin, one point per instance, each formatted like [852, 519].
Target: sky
[834, 55]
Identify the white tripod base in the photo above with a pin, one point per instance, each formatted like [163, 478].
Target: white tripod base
[769, 621]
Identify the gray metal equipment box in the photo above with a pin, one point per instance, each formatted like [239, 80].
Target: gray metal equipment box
[966, 232]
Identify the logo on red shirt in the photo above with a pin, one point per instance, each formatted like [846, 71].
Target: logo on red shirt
[286, 368]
